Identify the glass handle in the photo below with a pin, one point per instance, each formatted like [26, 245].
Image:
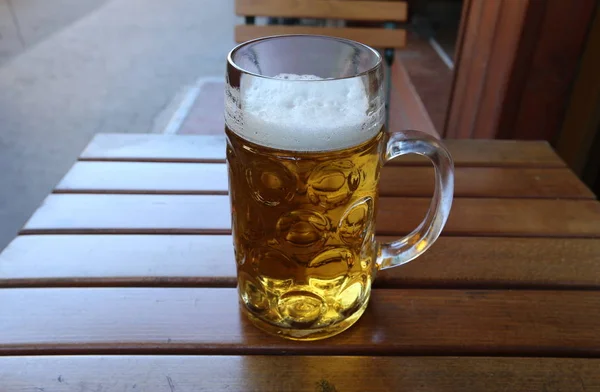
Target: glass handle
[392, 254]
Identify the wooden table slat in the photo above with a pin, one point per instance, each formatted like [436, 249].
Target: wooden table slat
[207, 178]
[301, 374]
[187, 260]
[181, 214]
[516, 274]
[208, 321]
[152, 147]
[194, 148]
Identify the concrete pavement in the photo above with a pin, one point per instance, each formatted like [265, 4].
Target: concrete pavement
[24, 23]
[115, 69]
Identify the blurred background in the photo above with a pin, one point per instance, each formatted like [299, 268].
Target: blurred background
[509, 69]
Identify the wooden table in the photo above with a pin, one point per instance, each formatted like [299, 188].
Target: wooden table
[124, 280]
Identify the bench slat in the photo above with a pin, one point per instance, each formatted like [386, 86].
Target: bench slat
[204, 148]
[208, 321]
[375, 37]
[181, 214]
[384, 11]
[184, 260]
[302, 374]
[406, 108]
[211, 178]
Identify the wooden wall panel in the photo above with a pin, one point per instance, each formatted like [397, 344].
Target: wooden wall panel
[515, 66]
[554, 65]
[582, 119]
[488, 41]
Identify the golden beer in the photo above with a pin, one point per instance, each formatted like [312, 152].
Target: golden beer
[303, 230]
[304, 120]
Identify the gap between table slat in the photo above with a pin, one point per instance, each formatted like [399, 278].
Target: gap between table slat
[195, 148]
[200, 214]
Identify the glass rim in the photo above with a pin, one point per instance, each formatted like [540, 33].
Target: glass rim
[372, 69]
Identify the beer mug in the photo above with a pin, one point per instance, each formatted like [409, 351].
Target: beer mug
[306, 141]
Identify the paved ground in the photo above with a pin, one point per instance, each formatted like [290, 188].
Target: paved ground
[24, 23]
[67, 72]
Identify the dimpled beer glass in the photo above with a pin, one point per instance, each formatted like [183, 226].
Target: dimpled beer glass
[305, 145]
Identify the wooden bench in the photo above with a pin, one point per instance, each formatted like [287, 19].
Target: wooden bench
[391, 12]
[124, 279]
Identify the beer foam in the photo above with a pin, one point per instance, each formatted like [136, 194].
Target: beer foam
[292, 112]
